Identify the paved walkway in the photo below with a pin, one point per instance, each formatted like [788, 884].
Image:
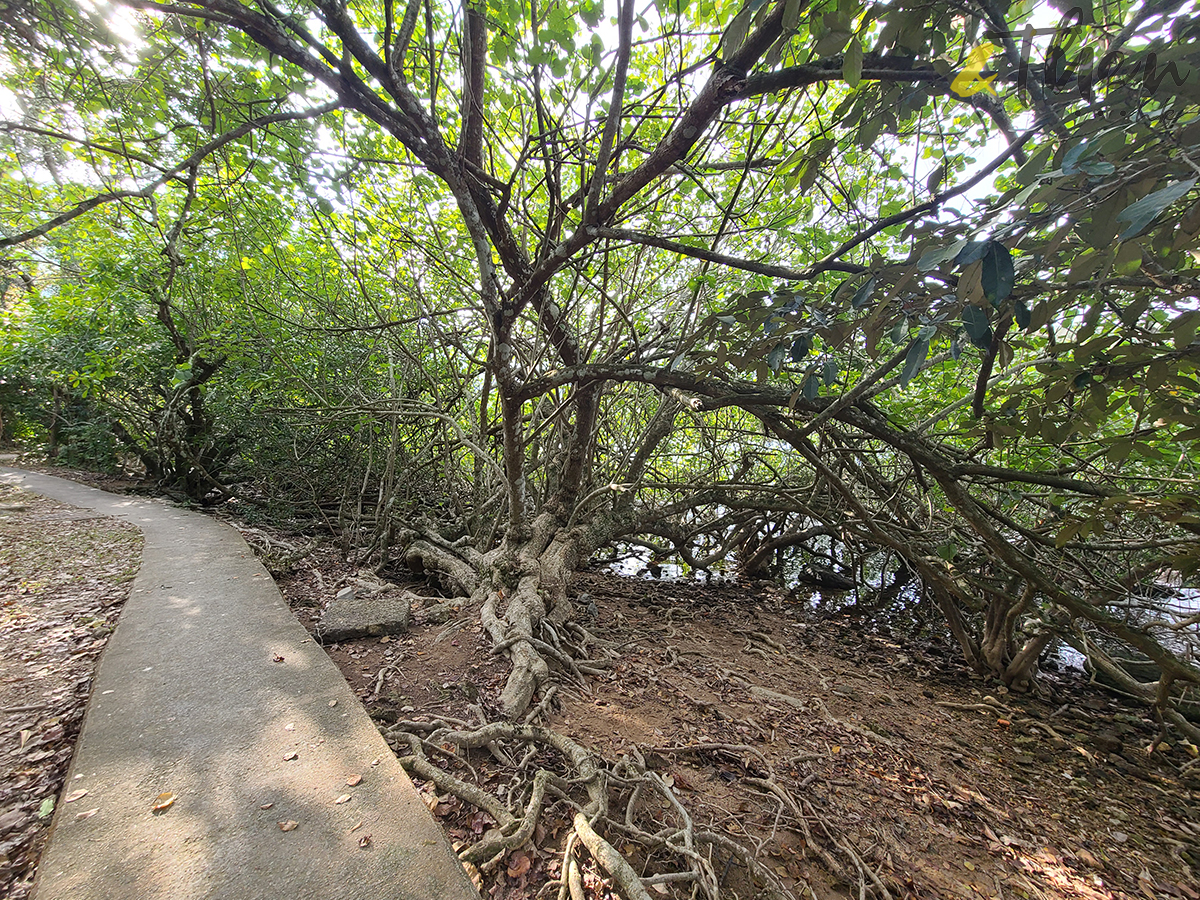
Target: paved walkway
[211, 690]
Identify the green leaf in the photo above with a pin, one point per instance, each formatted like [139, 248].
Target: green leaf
[972, 252]
[46, 807]
[1028, 172]
[775, 357]
[591, 13]
[830, 372]
[791, 14]
[852, 63]
[979, 330]
[931, 259]
[800, 347]
[917, 352]
[1139, 215]
[947, 551]
[1097, 168]
[735, 34]
[831, 43]
[863, 295]
[1022, 314]
[812, 387]
[791, 160]
[998, 276]
[1184, 329]
[1082, 151]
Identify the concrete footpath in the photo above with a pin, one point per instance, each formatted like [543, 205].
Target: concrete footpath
[210, 690]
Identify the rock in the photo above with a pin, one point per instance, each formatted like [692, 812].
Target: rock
[826, 578]
[350, 617]
[12, 820]
[439, 613]
[1108, 742]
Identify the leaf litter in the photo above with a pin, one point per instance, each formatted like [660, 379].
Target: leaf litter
[64, 576]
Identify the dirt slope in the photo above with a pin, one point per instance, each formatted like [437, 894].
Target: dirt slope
[823, 749]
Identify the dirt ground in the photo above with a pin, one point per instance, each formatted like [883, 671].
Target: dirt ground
[64, 575]
[943, 785]
[939, 784]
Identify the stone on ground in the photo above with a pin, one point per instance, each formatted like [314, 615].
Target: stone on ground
[350, 616]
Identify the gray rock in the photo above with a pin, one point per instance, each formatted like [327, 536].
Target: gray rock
[439, 613]
[355, 617]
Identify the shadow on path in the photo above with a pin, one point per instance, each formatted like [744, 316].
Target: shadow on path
[207, 686]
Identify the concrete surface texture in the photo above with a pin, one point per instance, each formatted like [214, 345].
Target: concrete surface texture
[210, 690]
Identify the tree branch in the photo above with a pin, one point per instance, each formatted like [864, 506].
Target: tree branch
[193, 160]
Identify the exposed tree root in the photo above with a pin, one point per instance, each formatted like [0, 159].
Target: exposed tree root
[625, 799]
[625, 878]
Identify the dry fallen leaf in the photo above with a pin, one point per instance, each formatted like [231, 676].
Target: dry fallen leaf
[164, 801]
[75, 795]
[289, 825]
[345, 798]
[518, 865]
[290, 726]
[355, 828]
[290, 756]
[277, 658]
[26, 734]
[354, 780]
[88, 814]
[266, 806]
[333, 703]
[364, 841]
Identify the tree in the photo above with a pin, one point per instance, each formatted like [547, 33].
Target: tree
[712, 278]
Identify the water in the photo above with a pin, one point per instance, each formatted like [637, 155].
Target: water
[636, 561]
[907, 610]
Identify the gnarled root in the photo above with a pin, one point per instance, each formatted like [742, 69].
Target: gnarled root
[670, 845]
[624, 877]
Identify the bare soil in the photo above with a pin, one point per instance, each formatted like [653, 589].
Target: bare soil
[943, 785]
[64, 575]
